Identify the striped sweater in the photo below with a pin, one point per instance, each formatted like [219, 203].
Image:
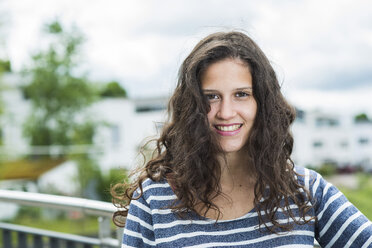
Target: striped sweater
[339, 224]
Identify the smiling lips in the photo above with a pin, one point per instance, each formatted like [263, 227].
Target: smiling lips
[228, 130]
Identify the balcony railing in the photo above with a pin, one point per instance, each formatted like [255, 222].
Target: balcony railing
[48, 239]
[45, 238]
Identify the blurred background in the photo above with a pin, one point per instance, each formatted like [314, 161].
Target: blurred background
[83, 85]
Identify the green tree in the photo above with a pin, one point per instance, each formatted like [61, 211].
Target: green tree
[4, 67]
[1, 111]
[59, 97]
[362, 117]
[113, 89]
[106, 181]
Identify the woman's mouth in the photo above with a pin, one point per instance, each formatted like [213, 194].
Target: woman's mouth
[228, 130]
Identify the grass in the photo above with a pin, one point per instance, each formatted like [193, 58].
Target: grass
[72, 223]
[361, 197]
[85, 226]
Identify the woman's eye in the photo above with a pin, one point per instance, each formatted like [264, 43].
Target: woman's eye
[241, 94]
[212, 96]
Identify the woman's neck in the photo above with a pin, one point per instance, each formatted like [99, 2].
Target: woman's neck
[236, 171]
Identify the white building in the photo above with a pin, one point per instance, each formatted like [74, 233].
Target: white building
[332, 138]
[127, 124]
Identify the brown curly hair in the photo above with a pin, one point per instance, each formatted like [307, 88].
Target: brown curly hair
[186, 152]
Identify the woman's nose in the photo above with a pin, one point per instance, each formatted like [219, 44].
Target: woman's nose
[226, 109]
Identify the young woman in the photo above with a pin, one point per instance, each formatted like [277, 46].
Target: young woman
[222, 175]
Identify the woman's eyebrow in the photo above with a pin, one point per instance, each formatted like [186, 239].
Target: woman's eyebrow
[213, 90]
[244, 88]
[210, 90]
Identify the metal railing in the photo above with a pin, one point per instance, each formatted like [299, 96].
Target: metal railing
[44, 238]
[103, 210]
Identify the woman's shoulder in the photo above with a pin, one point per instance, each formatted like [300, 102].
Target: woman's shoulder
[149, 184]
[152, 188]
[304, 171]
[306, 176]
[310, 179]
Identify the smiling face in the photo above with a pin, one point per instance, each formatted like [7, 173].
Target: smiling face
[227, 84]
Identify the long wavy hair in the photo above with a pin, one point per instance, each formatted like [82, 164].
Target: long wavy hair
[186, 151]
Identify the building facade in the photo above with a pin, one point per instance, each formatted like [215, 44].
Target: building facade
[331, 138]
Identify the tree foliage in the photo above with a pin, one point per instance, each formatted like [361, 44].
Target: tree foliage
[113, 89]
[5, 66]
[362, 117]
[106, 181]
[1, 111]
[57, 93]
[60, 95]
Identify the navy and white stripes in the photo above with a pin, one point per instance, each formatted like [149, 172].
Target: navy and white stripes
[339, 224]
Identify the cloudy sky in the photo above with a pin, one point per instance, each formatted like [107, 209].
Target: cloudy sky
[321, 50]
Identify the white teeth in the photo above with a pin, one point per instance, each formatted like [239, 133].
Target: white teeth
[228, 128]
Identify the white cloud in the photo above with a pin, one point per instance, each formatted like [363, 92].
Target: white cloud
[348, 102]
[315, 45]
[311, 39]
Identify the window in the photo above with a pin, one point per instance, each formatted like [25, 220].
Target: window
[115, 135]
[344, 144]
[300, 115]
[317, 144]
[363, 141]
[150, 108]
[324, 121]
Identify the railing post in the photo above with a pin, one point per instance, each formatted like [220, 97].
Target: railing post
[53, 242]
[38, 241]
[70, 244]
[7, 238]
[22, 240]
[119, 235]
[104, 230]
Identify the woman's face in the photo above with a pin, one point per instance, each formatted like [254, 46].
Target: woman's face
[227, 84]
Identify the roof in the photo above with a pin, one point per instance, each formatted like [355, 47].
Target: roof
[26, 168]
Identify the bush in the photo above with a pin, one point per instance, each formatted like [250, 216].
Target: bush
[113, 89]
[106, 181]
[26, 212]
[325, 169]
[5, 66]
